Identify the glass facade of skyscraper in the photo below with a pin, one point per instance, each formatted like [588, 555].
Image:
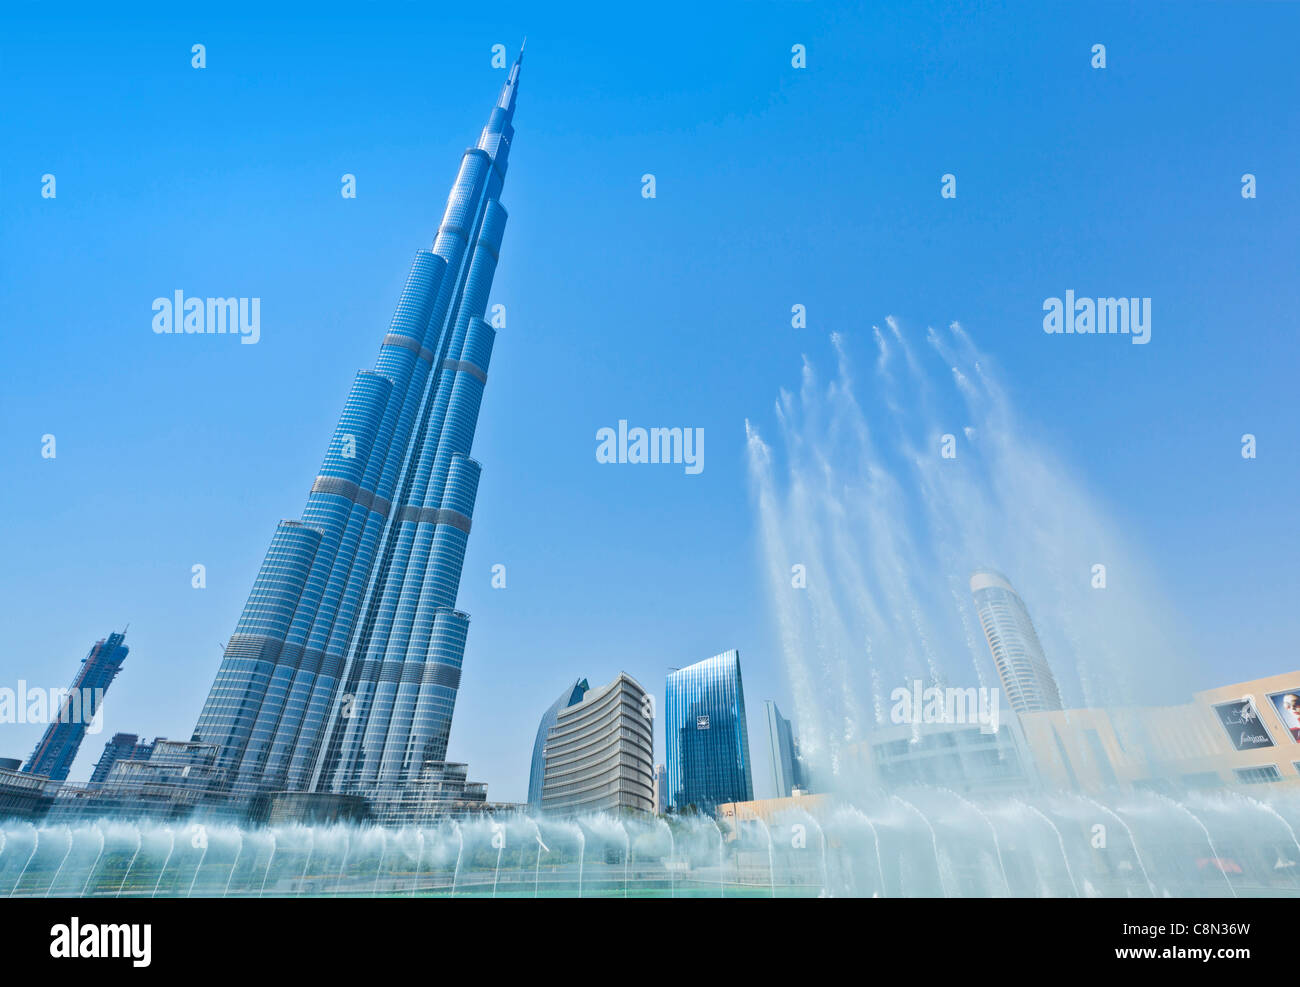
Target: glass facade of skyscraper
[343, 670]
[706, 737]
[537, 769]
[58, 748]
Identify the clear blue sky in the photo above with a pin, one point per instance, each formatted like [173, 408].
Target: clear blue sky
[775, 186]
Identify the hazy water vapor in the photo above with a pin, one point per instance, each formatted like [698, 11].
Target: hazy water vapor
[888, 531]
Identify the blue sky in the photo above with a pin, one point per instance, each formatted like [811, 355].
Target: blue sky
[775, 186]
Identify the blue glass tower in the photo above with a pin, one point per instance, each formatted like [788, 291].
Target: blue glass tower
[58, 748]
[537, 770]
[343, 670]
[706, 736]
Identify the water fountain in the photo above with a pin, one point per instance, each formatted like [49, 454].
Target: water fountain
[923, 842]
[920, 842]
[890, 479]
[887, 531]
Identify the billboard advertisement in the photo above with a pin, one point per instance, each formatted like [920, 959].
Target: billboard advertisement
[1240, 720]
[1287, 706]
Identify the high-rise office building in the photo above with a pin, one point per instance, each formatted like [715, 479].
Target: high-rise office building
[600, 752]
[661, 788]
[122, 747]
[783, 748]
[342, 673]
[537, 770]
[57, 750]
[1018, 654]
[706, 735]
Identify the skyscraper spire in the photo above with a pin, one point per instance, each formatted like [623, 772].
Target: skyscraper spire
[511, 87]
[343, 670]
[500, 131]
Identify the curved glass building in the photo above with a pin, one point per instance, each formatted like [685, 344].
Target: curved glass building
[343, 670]
[1018, 654]
[706, 736]
[600, 753]
[537, 770]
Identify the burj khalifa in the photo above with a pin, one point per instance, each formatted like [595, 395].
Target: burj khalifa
[342, 673]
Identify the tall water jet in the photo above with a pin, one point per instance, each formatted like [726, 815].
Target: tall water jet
[877, 502]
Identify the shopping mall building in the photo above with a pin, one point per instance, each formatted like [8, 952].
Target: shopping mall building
[1244, 734]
